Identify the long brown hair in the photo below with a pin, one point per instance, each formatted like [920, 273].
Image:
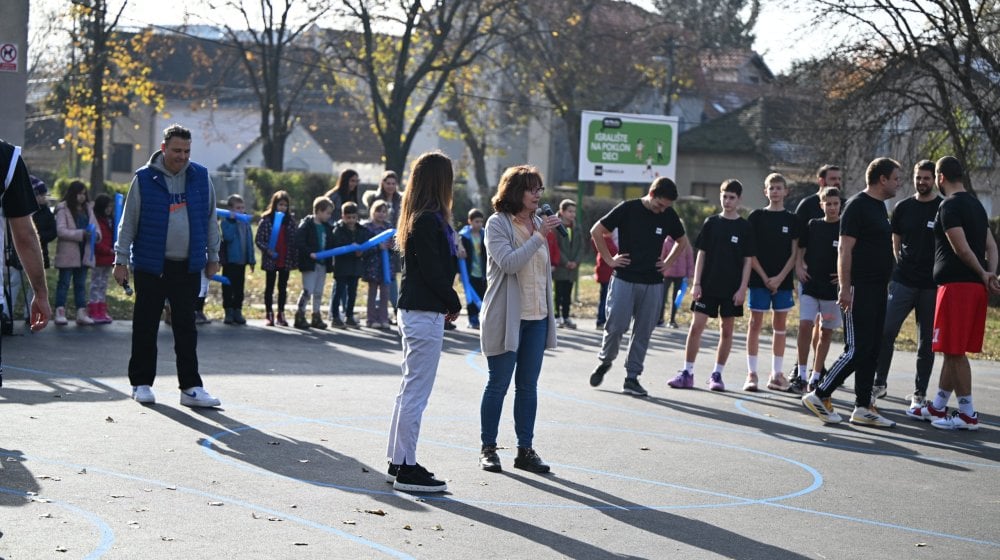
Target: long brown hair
[272, 206]
[74, 206]
[428, 189]
[343, 186]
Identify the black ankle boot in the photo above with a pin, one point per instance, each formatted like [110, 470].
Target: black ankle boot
[528, 460]
[489, 460]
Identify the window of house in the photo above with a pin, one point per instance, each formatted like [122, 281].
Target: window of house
[121, 158]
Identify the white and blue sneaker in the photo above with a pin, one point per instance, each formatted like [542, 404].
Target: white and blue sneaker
[143, 394]
[198, 397]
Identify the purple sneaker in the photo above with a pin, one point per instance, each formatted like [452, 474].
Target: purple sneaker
[682, 380]
[715, 382]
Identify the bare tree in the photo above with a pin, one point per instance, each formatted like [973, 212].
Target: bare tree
[278, 63]
[404, 55]
[934, 60]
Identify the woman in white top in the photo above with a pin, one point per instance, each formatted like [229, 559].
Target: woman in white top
[518, 322]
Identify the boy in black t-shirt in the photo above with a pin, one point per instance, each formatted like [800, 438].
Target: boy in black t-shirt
[775, 231]
[818, 256]
[636, 289]
[864, 264]
[721, 272]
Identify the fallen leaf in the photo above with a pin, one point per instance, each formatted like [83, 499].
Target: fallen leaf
[275, 519]
[363, 469]
[60, 548]
[349, 522]
[274, 443]
[45, 516]
[407, 528]
[301, 544]
[437, 528]
[303, 460]
[215, 503]
[643, 449]
[48, 477]
[82, 471]
[168, 539]
[117, 496]
[920, 544]
[171, 488]
[109, 420]
[254, 515]
[375, 512]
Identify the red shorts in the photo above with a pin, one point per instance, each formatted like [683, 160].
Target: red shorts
[960, 318]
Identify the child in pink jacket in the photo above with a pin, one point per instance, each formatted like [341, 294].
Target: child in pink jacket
[673, 276]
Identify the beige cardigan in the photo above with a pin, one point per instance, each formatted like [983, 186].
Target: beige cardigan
[501, 314]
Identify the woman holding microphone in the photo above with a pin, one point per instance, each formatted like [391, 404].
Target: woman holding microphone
[518, 322]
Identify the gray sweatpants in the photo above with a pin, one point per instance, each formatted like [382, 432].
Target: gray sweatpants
[902, 300]
[638, 304]
[423, 335]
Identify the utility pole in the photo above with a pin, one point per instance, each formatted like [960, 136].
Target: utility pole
[13, 70]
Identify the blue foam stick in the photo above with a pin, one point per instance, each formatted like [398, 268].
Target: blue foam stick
[275, 230]
[223, 213]
[119, 211]
[471, 297]
[221, 279]
[386, 270]
[384, 236]
[91, 229]
[681, 292]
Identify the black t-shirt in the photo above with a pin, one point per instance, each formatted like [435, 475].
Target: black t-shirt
[774, 233]
[959, 210]
[18, 199]
[808, 209]
[821, 240]
[640, 234]
[913, 221]
[866, 220]
[726, 244]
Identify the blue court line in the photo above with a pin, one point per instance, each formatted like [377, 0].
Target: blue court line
[107, 536]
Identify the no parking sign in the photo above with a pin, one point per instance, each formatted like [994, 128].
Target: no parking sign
[8, 57]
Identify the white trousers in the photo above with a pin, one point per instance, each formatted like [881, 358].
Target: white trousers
[423, 335]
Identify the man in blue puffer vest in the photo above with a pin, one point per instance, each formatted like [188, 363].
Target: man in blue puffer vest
[168, 234]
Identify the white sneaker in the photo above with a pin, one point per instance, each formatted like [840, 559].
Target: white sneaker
[870, 417]
[198, 397]
[61, 316]
[958, 421]
[822, 408]
[143, 394]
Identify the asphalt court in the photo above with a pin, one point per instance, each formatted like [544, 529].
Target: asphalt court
[292, 465]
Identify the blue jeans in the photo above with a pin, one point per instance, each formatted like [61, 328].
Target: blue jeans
[524, 366]
[79, 276]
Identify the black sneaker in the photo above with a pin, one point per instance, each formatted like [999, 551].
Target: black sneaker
[632, 387]
[393, 470]
[797, 385]
[415, 478]
[529, 461]
[597, 377]
[489, 460]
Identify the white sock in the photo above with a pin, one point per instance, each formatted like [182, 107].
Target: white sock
[941, 399]
[803, 371]
[965, 405]
[777, 363]
[719, 368]
[689, 366]
[751, 363]
[814, 376]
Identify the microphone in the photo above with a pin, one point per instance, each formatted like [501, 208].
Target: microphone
[547, 210]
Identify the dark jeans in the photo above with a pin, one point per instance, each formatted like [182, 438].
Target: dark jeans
[232, 295]
[563, 297]
[269, 279]
[524, 366]
[79, 277]
[902, 300]
[479, 285]
[862, 335]
[669, 281]
[151, 292]
[602, 305]
[345, 292]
